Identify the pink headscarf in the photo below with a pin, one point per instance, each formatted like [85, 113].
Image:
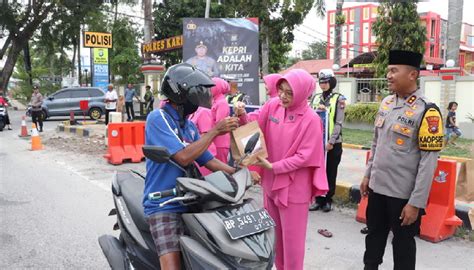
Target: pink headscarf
[303, 85]
[220, 89]
[270, 81]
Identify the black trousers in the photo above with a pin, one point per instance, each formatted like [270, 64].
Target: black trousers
[332, 162]
[107, 115]
[129, 109]
[37, 119]
[383, 214]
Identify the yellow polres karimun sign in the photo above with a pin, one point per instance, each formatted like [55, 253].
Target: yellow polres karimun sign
[97, 40]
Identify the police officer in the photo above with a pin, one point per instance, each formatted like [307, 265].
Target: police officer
[36, 108]
[334, 104]
[408, 136]
[235, 95]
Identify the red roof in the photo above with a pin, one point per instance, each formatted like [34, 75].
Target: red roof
[433, 60]
[314, 66]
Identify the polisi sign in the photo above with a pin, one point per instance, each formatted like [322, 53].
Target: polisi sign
[97, 40]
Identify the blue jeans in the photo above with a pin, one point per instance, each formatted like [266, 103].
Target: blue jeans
[450, 131]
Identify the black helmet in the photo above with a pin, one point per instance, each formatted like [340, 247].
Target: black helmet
[183, 84]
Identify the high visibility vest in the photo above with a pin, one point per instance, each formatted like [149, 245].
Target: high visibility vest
[332, 109]
[233, 99]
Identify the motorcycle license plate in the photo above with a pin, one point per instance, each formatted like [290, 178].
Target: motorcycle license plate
[248, 223]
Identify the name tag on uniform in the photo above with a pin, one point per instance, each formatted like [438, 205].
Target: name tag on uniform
[274, 120]
[379, 122]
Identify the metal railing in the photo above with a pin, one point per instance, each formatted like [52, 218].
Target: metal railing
[371, 89]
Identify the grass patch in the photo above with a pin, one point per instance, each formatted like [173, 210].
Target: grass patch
[462, 232]
[464, 147]
[344, 203]
[357, 136]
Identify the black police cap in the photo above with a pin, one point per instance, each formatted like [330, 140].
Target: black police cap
[400, 57]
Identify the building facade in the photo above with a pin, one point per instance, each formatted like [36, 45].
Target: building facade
[358, 37]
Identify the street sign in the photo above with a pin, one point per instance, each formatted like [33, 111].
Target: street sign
[163, 45]
[364, 65]
[97, 40]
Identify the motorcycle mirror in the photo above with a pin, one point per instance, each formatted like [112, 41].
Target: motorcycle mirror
[251, 143]
[156, 153]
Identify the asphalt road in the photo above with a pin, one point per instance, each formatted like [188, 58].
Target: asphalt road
[54, 205]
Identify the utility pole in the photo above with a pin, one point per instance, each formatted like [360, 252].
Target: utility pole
[455, 8]
[208, 7]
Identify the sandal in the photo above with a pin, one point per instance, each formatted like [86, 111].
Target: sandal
[325, 233]
[364, 230]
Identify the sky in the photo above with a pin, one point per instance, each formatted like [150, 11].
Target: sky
[315, 28]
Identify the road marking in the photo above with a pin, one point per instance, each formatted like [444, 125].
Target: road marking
[97, 183]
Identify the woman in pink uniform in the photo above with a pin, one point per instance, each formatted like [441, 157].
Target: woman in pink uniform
[202, 118]
[294, 172]
[220, 110]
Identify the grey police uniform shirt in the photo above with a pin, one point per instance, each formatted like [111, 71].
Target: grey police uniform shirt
[397, 167]
[340, 107]
[36, 102]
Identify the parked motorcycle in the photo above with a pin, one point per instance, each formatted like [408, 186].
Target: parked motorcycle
[3, 117]
[222, 230]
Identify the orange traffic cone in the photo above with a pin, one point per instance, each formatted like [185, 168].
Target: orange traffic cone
[35, 140]
[24, 130]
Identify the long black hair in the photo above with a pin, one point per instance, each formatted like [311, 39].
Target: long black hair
[450, 105]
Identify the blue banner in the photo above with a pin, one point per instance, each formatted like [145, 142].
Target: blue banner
[100, 63]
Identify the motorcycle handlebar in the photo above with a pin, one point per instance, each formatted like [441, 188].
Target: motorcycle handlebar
[162, 194]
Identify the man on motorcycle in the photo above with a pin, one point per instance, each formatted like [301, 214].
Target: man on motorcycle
[4, 103]
[186, 88]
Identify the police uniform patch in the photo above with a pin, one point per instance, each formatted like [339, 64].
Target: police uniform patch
[385, 107]
[379, 121]
[406, 131]
[411, 100]
[430, 135]
[342, 104]
[400, 141]
[409, 113]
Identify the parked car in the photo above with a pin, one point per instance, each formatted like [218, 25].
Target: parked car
[62, 102]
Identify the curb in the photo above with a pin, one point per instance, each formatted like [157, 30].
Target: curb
[353, 195]
[361, 147]
[457, 159]
[343, 190]
[355, 146]
[81, 131]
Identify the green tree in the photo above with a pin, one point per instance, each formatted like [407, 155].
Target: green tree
[21, 22]
[397, 26]
[125, 60]
[316, 50]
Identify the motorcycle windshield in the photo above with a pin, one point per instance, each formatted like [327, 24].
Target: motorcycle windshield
[223, 182]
